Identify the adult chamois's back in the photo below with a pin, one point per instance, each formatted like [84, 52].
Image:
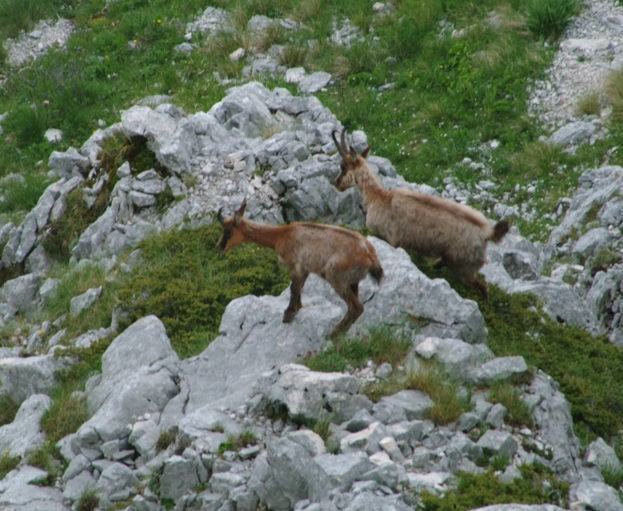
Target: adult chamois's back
[342, 257]
[431, 226]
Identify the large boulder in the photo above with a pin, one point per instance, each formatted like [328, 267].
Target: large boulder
[24, 433]
[139, 374]
[21, 377]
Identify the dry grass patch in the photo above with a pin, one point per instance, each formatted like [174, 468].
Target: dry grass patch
[307, 10]
[614, 94]
[588, 105]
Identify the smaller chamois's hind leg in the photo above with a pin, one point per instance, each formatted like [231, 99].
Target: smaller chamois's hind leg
[349, 294]
[482, 287]
[298, 281]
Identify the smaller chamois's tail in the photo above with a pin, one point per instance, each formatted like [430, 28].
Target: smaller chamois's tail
[500, 229]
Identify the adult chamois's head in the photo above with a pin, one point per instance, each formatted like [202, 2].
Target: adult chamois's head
[351, 161]
[232, 234]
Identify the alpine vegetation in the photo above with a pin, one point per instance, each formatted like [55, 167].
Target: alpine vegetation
[342, 257]
[432, 226]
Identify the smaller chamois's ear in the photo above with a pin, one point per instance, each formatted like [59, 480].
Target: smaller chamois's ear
[219, 216]
[365, 152]
[240, 212]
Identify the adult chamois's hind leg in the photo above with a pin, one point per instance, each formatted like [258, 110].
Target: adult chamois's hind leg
[298, 281]
[348, 293]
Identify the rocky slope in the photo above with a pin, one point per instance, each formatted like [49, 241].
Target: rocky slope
[276, 149]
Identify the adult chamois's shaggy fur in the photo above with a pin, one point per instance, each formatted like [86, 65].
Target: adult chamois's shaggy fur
[341, 257]
[431, 226]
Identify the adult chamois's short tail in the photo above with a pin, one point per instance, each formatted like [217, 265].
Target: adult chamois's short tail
[499, 230]
[377, 272]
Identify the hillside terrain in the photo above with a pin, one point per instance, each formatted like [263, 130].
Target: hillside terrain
[140, 369]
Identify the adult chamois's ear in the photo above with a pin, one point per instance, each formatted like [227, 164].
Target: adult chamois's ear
[219, 216]
[365, 152]
[238, 214]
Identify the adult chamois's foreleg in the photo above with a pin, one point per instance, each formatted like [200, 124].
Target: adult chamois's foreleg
[296, 287]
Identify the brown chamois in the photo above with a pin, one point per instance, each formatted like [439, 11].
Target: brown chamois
[339, 256]
[430, 226]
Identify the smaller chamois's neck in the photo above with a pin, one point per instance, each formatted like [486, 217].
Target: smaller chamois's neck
[261, 234]
[369, 185]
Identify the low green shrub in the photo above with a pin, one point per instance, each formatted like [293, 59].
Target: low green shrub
[89, 500]
[536, 486]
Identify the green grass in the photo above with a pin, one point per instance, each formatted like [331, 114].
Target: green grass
[7, 463]
[379, 345]
[536, 486]
[519, 413]
[548, 18]
[184, 281]
[430, 378]
[235, 443]
[8, 409]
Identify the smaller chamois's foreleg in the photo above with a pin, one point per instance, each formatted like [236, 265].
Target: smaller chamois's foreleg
[298, 281]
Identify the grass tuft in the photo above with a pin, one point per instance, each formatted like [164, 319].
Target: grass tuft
[7, 463]
[89, 500]
[235, 443]
[379, 345]
[519, 413]
[588, 105]
[548, 18]
[8, 409]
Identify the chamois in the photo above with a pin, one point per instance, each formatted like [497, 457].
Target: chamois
[339, 256]
[430, 226]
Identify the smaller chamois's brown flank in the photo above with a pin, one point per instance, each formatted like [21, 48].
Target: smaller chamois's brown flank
[341, 257]
[432, 226]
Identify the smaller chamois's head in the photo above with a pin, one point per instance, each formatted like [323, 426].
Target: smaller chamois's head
[351, 161]
[232, 233]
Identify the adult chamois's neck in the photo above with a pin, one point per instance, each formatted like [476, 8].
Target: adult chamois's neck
[369, 185]
[261, 234]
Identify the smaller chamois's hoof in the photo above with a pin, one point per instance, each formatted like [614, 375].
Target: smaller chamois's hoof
[287, 318]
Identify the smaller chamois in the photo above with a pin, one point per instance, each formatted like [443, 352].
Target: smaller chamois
[341, 257]
[430, 226]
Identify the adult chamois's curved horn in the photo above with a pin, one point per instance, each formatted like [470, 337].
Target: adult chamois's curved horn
[219, 216]
[337, 144]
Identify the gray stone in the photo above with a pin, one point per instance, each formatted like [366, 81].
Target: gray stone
[76, 487]
[601, 454]
[81, 302]
[387, 474]
[21, 292]
[342, 470]
[432, 482]
[361, 420]
[48, 289]
[22, 377]
[520, 507]
[598, 496]
[65, 164]
[510, 474]
[468, 421]
[414, 403]
[295, 74]
[38, 262]
[142, 200]
[496, 415]
[499, 368]
[572, 133]
[24, 433]
[365, 440]
[45, 204]
[590, 242]
[311, 441]
[139, 369]
[113, 479]
[17, 494]
[78, 464]
[27, 239]
[310, 395]
[179, 476]
[407, 431]
[498, 443]
[314, 82]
